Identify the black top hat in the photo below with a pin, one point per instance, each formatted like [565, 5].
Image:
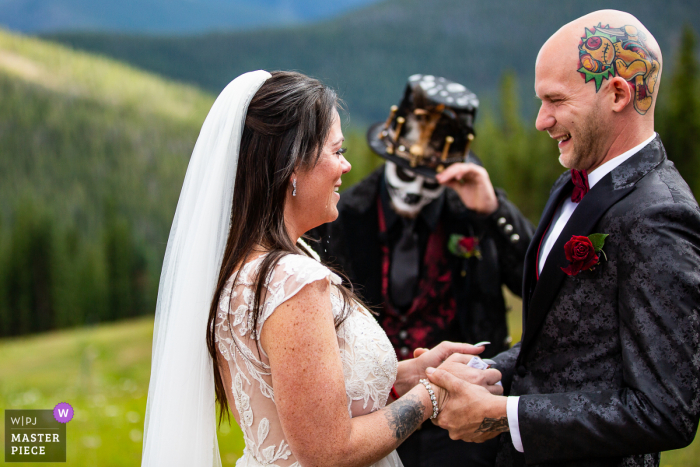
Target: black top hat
[431, 128]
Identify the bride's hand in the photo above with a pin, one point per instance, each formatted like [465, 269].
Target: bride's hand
[410, 371]
[456, 365]
[434, 357]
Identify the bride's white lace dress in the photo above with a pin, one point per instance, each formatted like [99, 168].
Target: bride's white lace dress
[368, 358]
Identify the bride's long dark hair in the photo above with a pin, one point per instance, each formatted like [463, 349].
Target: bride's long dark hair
[286, 126]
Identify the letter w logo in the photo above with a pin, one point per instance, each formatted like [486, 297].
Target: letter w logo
[62, 412]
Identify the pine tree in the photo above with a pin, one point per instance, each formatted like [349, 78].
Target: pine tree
[519, 158]
[127, 280]
[679, 117]
[5, 316]
[28, 272]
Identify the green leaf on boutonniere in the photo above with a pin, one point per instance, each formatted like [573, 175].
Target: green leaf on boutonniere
[598, 241]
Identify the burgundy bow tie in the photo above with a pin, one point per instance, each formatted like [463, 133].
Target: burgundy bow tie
[580, 179]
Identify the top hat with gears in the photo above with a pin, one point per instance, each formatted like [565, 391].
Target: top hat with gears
[431, 128]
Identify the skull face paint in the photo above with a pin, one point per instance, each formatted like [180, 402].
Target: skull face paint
[409, 191]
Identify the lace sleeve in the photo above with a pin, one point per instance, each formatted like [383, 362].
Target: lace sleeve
[291, 274]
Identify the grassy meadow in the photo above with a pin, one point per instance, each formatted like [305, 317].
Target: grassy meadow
[103, 372]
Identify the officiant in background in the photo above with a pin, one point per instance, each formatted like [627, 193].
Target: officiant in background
[429, 243]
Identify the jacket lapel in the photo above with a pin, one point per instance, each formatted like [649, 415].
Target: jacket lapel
[530, 268]
[608, 191]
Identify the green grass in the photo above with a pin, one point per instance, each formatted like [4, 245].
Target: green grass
[103, 372]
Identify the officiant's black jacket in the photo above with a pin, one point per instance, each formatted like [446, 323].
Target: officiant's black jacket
[608, 371]
[352, 243]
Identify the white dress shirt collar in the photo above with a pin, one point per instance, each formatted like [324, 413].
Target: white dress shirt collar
[595, 176]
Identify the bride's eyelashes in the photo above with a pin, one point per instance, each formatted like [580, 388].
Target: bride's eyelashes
[341, 151]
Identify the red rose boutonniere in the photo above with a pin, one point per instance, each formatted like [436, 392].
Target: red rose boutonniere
[464, 247]
[582, 253]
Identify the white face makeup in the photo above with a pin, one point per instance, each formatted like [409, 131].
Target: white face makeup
[409, 191]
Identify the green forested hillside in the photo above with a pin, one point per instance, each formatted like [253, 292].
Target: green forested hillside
[92, 157]
[368, 54]
[93, 153]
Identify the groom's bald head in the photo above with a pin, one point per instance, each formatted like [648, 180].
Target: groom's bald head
[605, 44]
[596, 75]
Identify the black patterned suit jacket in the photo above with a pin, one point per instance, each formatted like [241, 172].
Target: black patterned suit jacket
[608, 370]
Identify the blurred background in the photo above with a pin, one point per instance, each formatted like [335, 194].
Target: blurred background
[100, 106]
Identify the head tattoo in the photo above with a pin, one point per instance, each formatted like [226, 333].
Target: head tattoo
[606, 52]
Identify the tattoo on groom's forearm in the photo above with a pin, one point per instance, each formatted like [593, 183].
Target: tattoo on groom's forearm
[404, 416]
[491, 425]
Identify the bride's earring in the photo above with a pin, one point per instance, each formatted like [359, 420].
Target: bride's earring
[294, 184]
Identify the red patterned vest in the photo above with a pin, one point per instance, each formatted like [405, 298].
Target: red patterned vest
[431, 317]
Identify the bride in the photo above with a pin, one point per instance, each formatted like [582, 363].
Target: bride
[247, 316]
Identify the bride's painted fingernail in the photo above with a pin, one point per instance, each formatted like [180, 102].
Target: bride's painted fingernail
[430, 370]
[481, 344]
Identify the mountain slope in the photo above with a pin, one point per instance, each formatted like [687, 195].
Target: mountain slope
[161, 16]
[78, 120]
[92, 158]
[368, 54]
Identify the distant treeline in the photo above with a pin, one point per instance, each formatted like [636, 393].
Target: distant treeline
[368, 54]
[53, 276]
[87, 192]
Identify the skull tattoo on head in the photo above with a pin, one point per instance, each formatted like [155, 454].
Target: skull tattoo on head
[409, 191]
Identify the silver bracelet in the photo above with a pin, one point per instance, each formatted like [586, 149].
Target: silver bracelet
[427, 385]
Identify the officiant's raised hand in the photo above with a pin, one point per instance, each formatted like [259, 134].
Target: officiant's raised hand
[473, 185]
[469, 411]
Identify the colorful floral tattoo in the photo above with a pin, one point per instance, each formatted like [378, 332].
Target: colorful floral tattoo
[606, 52]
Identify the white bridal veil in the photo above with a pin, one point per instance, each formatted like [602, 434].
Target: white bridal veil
[180, 421]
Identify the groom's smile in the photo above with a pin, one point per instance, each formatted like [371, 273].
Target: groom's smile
[570, 111]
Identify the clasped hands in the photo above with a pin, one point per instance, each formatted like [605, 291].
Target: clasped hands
[470, 402]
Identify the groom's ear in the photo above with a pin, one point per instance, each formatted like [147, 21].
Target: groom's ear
[620, 93]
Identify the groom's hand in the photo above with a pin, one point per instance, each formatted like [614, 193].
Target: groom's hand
[456, 365]
[470, 412]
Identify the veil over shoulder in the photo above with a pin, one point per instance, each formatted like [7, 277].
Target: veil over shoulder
[180, 421]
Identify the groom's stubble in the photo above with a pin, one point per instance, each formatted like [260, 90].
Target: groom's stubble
[589, 145]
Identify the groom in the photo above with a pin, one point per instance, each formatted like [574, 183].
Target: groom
[608, 370]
